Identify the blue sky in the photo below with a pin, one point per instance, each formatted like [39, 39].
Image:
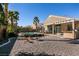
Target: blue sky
[29, 10]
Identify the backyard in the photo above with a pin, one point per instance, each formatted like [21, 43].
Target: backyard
[29, 34]
[49, 45]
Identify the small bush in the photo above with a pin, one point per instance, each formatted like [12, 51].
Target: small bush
[12, 34]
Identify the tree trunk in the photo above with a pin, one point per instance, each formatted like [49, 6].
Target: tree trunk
[6, 19]
[11, 24]
[16, 25]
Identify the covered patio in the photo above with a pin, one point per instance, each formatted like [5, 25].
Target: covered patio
[67, 28]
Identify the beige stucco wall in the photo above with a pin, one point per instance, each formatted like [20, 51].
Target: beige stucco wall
[77, 24]
[45, 27]
[33, 26]
[63, 27]
[68, 35]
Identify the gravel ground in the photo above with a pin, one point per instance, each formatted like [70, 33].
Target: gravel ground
[50, 45]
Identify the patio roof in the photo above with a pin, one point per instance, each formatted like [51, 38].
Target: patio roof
[58, 20]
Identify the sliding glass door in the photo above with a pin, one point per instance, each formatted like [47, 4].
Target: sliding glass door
[57, 29]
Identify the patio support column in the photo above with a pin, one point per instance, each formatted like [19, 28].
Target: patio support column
[73, 27]
[53, 29]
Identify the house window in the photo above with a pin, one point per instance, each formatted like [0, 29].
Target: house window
[69, 27]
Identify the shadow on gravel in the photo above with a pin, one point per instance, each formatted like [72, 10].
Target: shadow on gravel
[6, 49]
[56, 40]
[74, 42]
[34, 54]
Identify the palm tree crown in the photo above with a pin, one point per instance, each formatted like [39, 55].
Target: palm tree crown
[36, 20]
[13, 17]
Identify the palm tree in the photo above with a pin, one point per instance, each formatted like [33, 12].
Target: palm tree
[13, 17]
[5, 9]
[2, 17]
[36, 22]
[16, 18]
[5, 6]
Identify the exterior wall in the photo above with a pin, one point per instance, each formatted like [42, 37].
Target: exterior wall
[77, 35]
[77, 24]
[77, 27]
[33, 26]
[68, 35]
[63, 27]
[45, 28]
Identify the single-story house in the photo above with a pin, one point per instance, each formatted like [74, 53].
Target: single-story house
[64, 26]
